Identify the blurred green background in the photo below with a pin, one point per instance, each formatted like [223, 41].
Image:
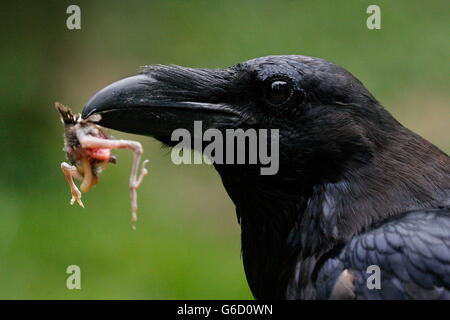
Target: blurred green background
[187, 241]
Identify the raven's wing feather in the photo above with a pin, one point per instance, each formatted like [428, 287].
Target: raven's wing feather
[412, 252]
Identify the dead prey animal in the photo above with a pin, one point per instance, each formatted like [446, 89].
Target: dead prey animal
[88, 149]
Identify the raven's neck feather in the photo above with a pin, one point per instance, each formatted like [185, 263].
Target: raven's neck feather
[283, 232]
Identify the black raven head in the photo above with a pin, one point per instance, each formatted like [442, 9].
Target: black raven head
[326, 117]
[345, 163]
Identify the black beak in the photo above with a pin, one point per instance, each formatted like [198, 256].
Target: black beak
[162, 99]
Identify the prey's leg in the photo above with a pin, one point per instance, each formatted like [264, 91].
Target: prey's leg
[135, 179]
[71, 172]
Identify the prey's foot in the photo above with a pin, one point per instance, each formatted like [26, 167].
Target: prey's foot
[135, 182]
[71, 172]
[135, 176]
[76, 195]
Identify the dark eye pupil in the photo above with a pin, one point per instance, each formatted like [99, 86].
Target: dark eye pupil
[278, 92]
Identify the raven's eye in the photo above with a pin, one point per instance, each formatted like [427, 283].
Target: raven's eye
[278, 92]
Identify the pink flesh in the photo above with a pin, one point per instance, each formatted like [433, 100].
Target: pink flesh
[99, 153]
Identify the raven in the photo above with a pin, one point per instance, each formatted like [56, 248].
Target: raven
[355, 189]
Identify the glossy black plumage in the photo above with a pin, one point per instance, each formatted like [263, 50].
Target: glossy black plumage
[412, 252]
[354, 187]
